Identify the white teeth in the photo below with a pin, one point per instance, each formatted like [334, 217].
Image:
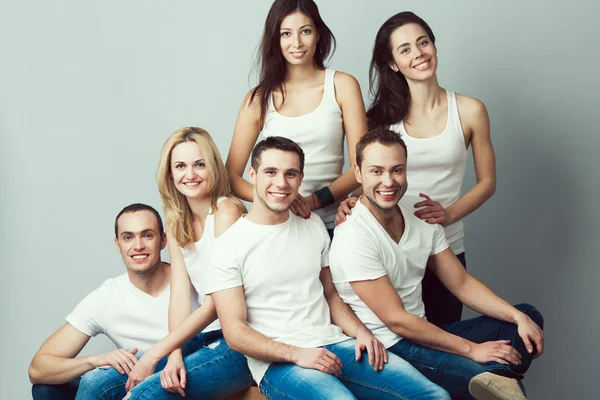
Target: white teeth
[387, 193]
[279, 195]
[423, 65]
[140, 257]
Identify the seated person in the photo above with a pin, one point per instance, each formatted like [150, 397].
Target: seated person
[271, 285]
[131, 309]
[378, 259]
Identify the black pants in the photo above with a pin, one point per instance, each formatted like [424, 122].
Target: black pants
[441, 307]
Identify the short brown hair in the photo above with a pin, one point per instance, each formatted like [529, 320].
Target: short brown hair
[276, 143]
[378, 135]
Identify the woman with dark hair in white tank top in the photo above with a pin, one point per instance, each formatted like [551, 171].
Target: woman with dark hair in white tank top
[438, 126]
[298, 98]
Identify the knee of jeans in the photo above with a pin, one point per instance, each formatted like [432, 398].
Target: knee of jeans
[440, 394]
[40, 392]
[532, 312]
[91, 380]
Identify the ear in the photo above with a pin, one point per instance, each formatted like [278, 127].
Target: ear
[357, 173]
[252, 174]
[393, 66]
[117, 245]
[163, 241]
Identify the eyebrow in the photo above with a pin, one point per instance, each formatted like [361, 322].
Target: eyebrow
[406, 44]
[380, 167]
[285, 171]
[183, 162]
[132, 233]
[289, 29]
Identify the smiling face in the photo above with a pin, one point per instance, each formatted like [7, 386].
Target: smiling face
[415, 56]
[139, 241]
[382, 174]
[298, 39]
[188, 169]
[277, 179]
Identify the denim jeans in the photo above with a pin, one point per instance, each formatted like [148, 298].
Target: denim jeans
[453, 372]
[214, 371]
[397, 380]
[441, 306]
[66, 391]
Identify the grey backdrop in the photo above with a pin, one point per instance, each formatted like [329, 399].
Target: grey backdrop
[90, 91]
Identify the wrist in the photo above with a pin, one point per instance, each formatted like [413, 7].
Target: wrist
[315, 201]
[517, 318]
[467, 349]
[324, 196]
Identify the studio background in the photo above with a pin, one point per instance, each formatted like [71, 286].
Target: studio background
[90, 91]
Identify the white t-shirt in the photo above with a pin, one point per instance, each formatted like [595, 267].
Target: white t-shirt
[363, 250]
[129, 316]
[278, 267]
[196, 262]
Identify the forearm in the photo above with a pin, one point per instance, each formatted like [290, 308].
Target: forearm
[343, 316]
[471, 201]
[52, 370]
[420, 331]
[343, 185]
[241, 187]
[477, 296]
[180, 301]
[247, 341]
[189, 328]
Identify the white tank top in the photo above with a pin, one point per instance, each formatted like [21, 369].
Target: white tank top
[196, 261]
[436, 167]
[320, 133]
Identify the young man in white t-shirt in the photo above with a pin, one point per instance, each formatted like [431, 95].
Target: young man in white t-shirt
[278, 306]
[131, 309]
[378, 259]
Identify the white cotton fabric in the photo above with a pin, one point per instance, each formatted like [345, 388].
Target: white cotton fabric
[436, 166]
[320, 134]
[196, 262]
[278, 267]
[130, 317]
[363, 250]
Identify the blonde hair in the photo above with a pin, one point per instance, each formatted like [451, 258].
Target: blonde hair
[178, 215]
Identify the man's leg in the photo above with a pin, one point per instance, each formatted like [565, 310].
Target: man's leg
[102, 384]
[453, 372]
[291, 382]
[441, 306]
[214, 371]
[397, 380]
[66, 391]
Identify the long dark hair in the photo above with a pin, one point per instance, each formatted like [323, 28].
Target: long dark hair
[269, 59]
[391, 96]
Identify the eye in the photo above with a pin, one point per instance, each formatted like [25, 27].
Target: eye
[127, 238]
[148, 236]
[285, 34]
[271, 173]
[292, 174]
[424, 43]
[404, 50]
[179, 166]
[375, 172]
[200, 165]
[398, 170]
[307, 31]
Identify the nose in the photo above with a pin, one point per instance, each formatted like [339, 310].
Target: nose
[138, 243]
[418, 51]
[280, 181]
[189, 172]
[386, 179]
[297, 41]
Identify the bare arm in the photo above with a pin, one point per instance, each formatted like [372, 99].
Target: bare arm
[231, 307]
[245, 133]
[351, 102]
[56, 362]
[476, 123]
[392, 313]
[180, 302]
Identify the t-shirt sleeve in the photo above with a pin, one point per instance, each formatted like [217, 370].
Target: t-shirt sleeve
[357, 256]
[225, 269]
[439, 240]
[89, 316]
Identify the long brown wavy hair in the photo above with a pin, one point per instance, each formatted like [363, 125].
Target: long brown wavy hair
[391, 95]
[269, 60]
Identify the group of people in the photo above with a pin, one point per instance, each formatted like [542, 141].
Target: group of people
[275, 296]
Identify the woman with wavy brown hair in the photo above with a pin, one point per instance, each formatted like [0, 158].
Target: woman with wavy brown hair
[299, 98]
[199, 207]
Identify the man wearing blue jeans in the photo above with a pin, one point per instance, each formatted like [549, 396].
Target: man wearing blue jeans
[378, 259]
[277, 304]
[131, 309]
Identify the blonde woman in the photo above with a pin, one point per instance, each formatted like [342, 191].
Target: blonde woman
[198, 207]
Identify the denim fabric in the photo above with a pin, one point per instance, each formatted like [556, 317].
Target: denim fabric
[453, 372]
[441, 306]
[66, 391]
[214, 371]
[397, 380]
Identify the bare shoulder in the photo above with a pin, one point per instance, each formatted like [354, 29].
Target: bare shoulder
[345, 82]
[251, 102]
[470, 107]
[230, 208]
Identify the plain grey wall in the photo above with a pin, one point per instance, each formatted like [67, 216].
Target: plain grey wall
[90, 91]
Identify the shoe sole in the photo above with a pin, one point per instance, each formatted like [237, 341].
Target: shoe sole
[485, 389]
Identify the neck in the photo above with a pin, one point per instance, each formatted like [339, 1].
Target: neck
[260, 214]
[386, 218]
[199, 208]
[425, 96]
[298, 74]
[154, 281]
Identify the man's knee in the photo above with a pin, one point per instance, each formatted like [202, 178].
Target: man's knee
[55, 392]
[532, 312]
[100, 380]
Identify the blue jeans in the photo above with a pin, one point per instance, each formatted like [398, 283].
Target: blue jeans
[397, 380]
[453, 372]
[214, 371]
